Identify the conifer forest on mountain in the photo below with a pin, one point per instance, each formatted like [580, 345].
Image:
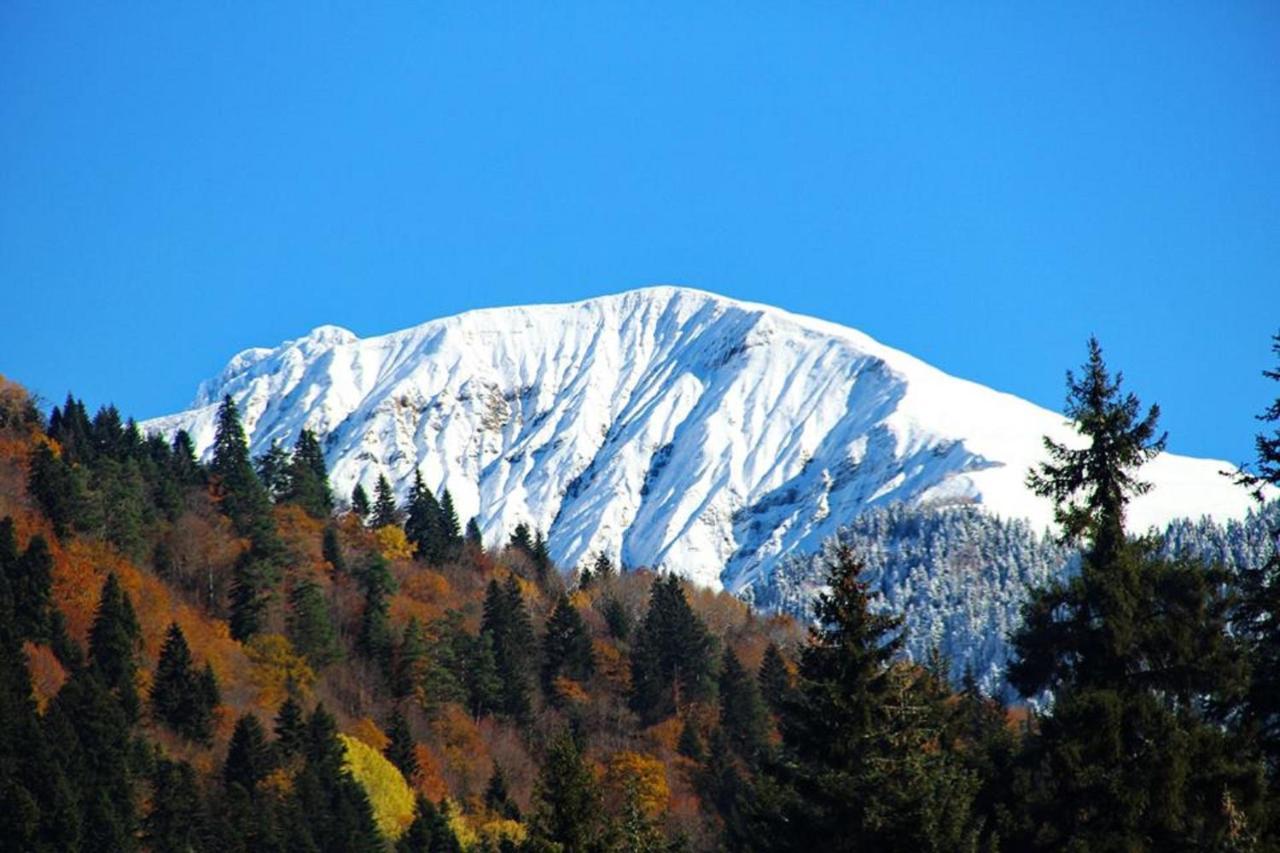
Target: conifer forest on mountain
[230, 657]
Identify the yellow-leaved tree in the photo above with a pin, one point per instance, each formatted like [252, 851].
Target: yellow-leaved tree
[388, 793]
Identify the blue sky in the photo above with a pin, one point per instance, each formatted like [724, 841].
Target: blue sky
[982, 188]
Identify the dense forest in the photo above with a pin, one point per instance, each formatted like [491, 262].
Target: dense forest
[227, 656]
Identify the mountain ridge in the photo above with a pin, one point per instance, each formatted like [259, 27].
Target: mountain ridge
[665, 426]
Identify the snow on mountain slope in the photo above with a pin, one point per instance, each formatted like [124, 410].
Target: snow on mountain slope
[666, 427]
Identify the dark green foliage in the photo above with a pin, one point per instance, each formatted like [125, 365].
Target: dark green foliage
[30, 579]
[113, 645]
[177, 821]
[671, 658]
[252, 590]
[690, 744]
[1090, 486]
[335, 805]
[447, 666]
[857, 770]
[37, 808]
[290, 728]
[332, 550]
[483, 683]
[177, 697]
[384, 513]
[521, 539]
[450, 531]
[497, 798]
[567, 803]
[775, 679]
[307, 477]
[272, 468]
[424, 523]
[617, 618]
[509, 631]
[243, 497]
[249, 757]
[473, 536]
[411, 661]
[61, 491]
[310, 627]
[360, 502]
[89, 731]
[399, 750]
[566, 647]
[375, 640]
[429, 832]
[743, 716]
[1136, 653]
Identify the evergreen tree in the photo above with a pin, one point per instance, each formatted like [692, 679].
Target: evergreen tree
[411, 661]
[253, 583]
[186, 468]
[690, 744]
[384, 511]
[360, 502]
[497, 798]
[336, 806]
[1135, 651]
[375, 640]
[290, 728]
[399, 749]
[743, 716]
[307, 477]
[473, 536]
[30, 578]
[113, 645]
[177, 821]
[671, 658]
[244, 498]
[249, 758]
[450, 531]
[507, 625]
[177, 700]
[603, 568]
[273, 471]
[310, 628]
[484, 685]
[857, 770]
[331, 549]
[566, 647]
[429, 832]
[617, 618]
[521, 539]
[1257, 616]
[775, 679]
[541, 558]
[568, 806]
[423, 524]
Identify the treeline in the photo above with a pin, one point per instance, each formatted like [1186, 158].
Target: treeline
[246, 664]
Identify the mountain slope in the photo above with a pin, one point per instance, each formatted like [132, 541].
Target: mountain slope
[667, 427]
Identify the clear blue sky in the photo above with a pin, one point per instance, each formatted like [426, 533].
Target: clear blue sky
[982, 188]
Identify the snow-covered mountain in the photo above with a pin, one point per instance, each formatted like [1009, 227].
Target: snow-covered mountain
[666, 427]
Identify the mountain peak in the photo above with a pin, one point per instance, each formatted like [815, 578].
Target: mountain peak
[665, 426]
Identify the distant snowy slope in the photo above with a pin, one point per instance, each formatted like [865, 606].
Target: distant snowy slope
[667, 427]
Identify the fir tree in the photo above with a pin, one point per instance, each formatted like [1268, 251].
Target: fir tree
[360, 502]
[568, 807]
[690, 744]
[177, 700]
[384, 513]
[307, 477]
[30, 579]
[497, 798]
[617, 618]
[743, 716]
[566, 647]
[484, 684]
[1132, 648]
[177, 820]
[603, 568]
[252, 589]
[411, 661]
[272, 468]
[429, 832]
[113, 644]
[244, 499]
[331, 549]
[450, 531]
[671, 658]
[290, 728]
[399, 749]
[473, 536]
[521, 539]
[249, 758]
[375, 639]
[774, 679]
[423, 524]
[310, 628]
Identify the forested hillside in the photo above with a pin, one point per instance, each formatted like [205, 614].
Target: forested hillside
[228, 656]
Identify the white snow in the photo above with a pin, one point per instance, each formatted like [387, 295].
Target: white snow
[666, 427]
